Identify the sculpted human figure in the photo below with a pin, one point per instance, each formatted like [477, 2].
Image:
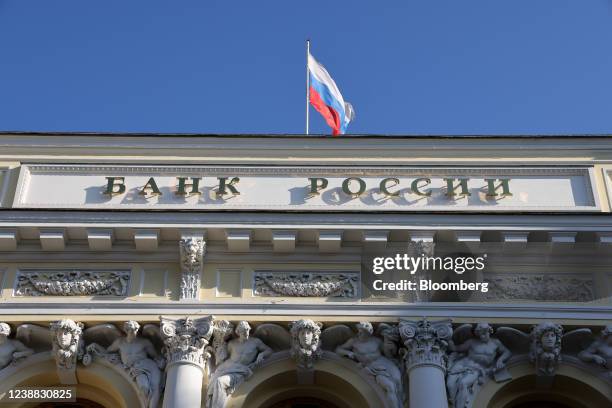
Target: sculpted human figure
[139, 357]
[545, 349]
[471, 363]
[600, 351]
[11, 350]
[67, 344]
[244, 354]
[305, 342]
[369, 351]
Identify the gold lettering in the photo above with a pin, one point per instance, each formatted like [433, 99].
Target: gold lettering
[383, 186]
[151, 185]
[416, 189]
[182, 186]
[317, 184]
[450, 188]
[346, 186]
[223, 186]
[503, 184]
[114, 186]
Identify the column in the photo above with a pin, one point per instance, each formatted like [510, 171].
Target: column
[425, 359]
[185, 340]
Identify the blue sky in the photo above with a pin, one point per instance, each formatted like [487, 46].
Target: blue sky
[206, 66]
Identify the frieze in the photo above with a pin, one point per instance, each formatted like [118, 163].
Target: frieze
[306, 284]
[72, 283]
[539, 287]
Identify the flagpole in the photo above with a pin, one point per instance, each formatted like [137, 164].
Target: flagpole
[307, 83]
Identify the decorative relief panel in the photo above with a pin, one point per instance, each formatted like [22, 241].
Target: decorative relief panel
[540, 287]
[72, 283]
[306, 284]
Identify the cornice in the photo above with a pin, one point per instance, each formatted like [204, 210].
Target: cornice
[265, 149]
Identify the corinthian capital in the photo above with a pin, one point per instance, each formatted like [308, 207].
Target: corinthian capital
[186, 339]
[192, 247]
[426, 342]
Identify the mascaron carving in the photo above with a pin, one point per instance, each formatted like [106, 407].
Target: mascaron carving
[72, 283]
[539, 287]
[306, 284]
[192, 254]
[545, 349]
[186, 339]
[306, 342]
[67, 344]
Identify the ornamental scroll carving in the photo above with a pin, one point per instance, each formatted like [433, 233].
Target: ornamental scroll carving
[545, 288]
[72, 283]
[306, 284]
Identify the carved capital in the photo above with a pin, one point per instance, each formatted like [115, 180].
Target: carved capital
[192, 249]
[426, 342]
[186, 339]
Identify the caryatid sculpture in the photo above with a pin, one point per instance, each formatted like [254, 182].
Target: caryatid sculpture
[600, 351]
[306, 343]
[245, 353]
[138, 357]
[369, 351]
[545, 349]
[472, 363]
[11, 351]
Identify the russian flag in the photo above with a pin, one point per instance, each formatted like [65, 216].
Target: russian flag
[326, 98]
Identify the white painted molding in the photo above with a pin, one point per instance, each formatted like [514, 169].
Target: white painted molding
[146, 240]
[100, 239]
[53, 239]
[8, 239]
[238, 240]
[284, 241]
[329, 241]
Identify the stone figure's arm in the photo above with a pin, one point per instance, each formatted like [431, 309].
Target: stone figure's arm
[114, 347]
[461, 348]
[345, 350]
[21, 350]
[264, 351]
[590, 355]
[505, 354]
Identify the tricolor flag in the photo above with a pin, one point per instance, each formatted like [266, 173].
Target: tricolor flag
[326, 98]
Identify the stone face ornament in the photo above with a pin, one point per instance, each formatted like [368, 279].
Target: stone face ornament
[306, 284]
[72, 283]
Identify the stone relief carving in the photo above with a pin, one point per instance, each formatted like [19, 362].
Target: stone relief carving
[306, 343]
[133, 353]
[187, 339]
[476, 358]
[68, 346]
[371, 353]
[222, 331]
[545, 349]
[192, 254]
[306, 284]
[600, 351]
[245, 353]
[11, 351]
[544, 288]
[72, 283]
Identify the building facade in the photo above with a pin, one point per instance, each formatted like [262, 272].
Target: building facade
[292, 271]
